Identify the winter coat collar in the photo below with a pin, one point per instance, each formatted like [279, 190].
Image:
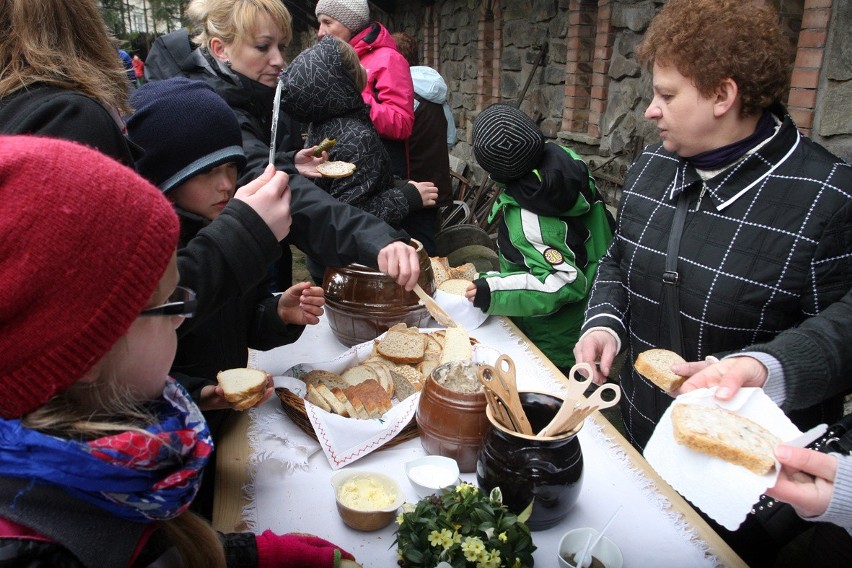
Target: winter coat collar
[730, 184]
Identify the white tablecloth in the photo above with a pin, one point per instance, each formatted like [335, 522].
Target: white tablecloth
[290, 489]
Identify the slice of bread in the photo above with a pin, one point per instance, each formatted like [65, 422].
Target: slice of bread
[327, 378]
[337, 406]
[406, 381]
[457, 346]
[336, 169]
[354, 409]
[383, 372]
[426, 367]
[466, 271]
[718, 432]
[440, 269]
[314, 397]
[402, 347]
[457, 286]
[243, 388]
[358, 374]
[371, 396]
[656, 364]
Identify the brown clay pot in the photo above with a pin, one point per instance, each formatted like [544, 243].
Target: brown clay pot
[451, 423]
[363, 303]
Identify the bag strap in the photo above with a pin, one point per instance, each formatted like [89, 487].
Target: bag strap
[671, 278]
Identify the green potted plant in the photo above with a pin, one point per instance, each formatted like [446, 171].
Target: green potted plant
[464, 528]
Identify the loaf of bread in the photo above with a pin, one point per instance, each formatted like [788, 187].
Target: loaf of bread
[466, 271]
[406, 381]
[718, 432]
[656, 366]
[243, 388]
[440, 269]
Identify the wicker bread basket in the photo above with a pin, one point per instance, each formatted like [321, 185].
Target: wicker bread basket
[294, 407]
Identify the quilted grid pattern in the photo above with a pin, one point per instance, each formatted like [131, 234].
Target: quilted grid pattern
[766, 244]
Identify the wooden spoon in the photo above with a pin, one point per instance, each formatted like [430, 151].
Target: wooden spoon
[435, 310]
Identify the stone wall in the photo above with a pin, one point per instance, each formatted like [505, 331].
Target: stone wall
[590, 93]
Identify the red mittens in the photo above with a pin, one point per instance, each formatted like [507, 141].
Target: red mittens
[297, 551]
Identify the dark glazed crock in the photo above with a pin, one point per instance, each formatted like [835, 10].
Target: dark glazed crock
[452, 424]
[549, 469]
[363, 303]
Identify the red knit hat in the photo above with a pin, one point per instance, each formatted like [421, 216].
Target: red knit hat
[84, 242]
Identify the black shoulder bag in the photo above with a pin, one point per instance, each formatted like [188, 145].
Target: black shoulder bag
[671, 278]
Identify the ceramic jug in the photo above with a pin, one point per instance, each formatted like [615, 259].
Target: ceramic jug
[547, 471]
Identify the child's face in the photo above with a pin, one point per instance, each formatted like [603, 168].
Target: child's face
[141, 360]
[208, 193]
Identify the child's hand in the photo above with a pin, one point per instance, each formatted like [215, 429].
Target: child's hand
[301, 304]
[470, 293]
[213, 398]
[428, 192]
[307, 163]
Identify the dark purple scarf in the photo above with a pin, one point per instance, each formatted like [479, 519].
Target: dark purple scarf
[721, 157]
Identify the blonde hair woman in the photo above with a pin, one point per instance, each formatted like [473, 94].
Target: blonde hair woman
[240, 55]
[60, 75]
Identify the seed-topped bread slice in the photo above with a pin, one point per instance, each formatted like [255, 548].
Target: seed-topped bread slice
[336, 169]
[726, 435]
[406, 381]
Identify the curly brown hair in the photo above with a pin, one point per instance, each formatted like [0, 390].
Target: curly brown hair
[711, 40]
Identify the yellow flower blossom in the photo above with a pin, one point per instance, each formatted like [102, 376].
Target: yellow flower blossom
[503, 536]
[434, 538]
[472, 548]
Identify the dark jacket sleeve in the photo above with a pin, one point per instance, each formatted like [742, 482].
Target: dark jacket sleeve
[815, 356]
[227, 258]
[322, 226]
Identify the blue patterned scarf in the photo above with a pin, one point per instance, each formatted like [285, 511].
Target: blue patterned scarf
[131, 475]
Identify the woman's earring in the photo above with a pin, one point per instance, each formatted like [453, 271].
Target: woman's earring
[228, 63]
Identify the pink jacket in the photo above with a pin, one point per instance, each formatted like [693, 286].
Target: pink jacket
[389, 91]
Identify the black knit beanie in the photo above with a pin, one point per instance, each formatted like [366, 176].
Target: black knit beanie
[506, 142]
[185, 129]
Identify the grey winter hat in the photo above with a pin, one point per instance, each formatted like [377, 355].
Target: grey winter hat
[506, 142]
[354, 14]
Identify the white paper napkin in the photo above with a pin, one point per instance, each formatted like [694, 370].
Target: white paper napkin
[344, 440]
[724, 491]
[461, 309]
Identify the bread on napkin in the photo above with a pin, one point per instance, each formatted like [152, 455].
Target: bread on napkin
[724, 434]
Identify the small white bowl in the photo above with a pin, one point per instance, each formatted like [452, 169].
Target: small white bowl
[572, 544]
[432, 474]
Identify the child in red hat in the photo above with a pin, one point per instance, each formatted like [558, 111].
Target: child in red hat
[91, 425]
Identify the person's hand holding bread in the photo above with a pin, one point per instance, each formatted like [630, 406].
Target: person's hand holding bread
[238, 389]
[729, 375]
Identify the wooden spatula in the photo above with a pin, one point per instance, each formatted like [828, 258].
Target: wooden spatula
[435, 310]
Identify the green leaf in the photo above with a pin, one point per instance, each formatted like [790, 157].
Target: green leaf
[525, 514]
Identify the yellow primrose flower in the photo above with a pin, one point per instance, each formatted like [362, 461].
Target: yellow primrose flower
[472, 548]
[503, 536]
[400, 518]
[434, 538]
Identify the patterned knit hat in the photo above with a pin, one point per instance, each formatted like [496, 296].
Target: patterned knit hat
[185, 129]
[506, 142]
[354, 14]
[84, 242]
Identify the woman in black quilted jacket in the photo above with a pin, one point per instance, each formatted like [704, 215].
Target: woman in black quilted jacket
[767, 234]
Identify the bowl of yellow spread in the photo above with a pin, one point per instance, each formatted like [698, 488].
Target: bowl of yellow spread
[366, 500]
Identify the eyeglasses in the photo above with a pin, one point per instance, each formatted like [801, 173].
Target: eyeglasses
[181, 303]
